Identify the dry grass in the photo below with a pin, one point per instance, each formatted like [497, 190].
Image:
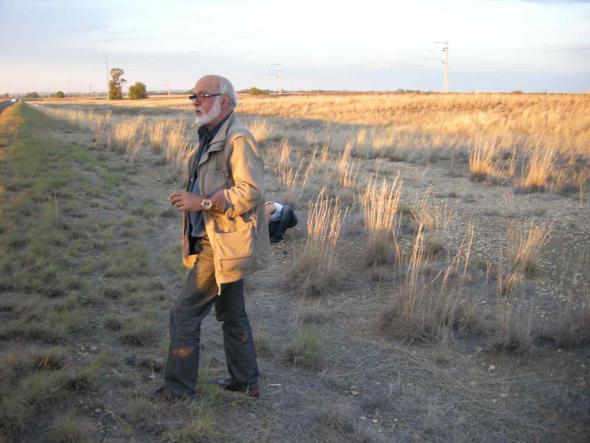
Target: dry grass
[380, 205]
[428, 215]
[293, 170]
[482, 161]
[571, 328]
[171, 138]
[515, 329]
[424, 308]
[540, 166]
[316, 268]
[527, 243]
[529, 130]
[347, 168]
[261, 130]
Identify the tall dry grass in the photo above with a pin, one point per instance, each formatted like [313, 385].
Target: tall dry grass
[560, 120]
[261, 130]
[380, 208]
[430, 216]
[171, 138]
[426, 307]
[544, 136]
[292, 169]
[540, 165]
[527, 242]
[347, 168]
[316, 269]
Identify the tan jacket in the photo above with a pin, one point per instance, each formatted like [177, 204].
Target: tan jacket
[239, 236]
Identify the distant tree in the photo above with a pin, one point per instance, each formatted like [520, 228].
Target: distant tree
[31, 95]
[7, 95]
[116, 84]
[137, 91]
[256, 91]
[59, 94]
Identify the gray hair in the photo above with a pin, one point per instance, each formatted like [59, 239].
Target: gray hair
[225, 87]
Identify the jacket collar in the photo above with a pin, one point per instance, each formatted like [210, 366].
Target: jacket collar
[218, 142]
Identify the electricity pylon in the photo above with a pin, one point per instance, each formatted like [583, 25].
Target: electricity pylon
[445, 62]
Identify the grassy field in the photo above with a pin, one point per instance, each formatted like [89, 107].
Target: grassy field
[436, 288]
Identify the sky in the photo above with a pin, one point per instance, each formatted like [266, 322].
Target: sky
[494, 45]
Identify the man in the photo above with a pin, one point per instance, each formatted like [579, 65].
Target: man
[280, 218]
[225, 237]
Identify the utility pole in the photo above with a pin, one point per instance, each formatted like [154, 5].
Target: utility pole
[107, 65]
[276, 70]
[167, 86]
[445, 62]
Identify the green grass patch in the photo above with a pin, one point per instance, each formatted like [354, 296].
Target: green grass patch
[72, 428]
[305, 350]
[63, 261]
[141, 331]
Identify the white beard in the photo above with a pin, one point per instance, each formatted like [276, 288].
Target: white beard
[213, 113]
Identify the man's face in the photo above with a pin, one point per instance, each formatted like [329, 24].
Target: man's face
[209, 109]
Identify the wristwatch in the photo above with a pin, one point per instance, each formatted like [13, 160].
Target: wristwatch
[206, 204]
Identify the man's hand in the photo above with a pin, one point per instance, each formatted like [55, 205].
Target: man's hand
[186, 201]
[218, 200]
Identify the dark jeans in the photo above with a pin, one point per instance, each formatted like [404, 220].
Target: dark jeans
[192, 306]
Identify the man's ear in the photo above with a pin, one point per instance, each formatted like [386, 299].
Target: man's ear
[225, 101]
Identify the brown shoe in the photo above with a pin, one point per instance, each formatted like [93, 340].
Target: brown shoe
[165, 395]
[229, 385]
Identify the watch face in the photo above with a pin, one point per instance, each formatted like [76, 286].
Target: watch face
[207, 204]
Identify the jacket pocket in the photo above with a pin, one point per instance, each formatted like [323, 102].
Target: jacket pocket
[235, 249]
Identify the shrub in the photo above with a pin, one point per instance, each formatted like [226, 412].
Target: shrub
[256, 91]
[59, 94]
[137, 91]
